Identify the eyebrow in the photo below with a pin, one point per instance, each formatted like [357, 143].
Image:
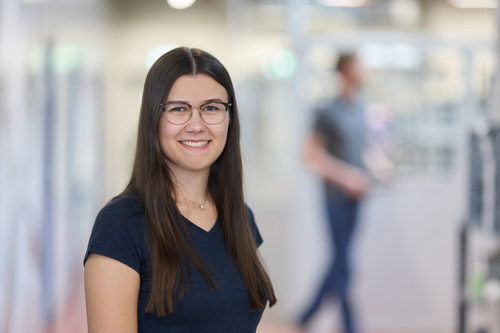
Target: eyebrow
[204, 102]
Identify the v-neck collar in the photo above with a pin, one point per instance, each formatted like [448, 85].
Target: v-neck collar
[202, 232]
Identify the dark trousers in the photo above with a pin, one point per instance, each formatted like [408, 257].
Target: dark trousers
[342, 218]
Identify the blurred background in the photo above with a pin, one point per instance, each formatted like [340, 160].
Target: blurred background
[427, 253]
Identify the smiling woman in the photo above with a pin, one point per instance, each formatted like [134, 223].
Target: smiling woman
[186, 139]
[176, 251]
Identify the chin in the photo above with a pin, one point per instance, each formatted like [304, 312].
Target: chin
[196, 167]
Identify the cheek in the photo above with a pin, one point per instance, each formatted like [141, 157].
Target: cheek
[220, 134]
[224, 132]
[165, 136]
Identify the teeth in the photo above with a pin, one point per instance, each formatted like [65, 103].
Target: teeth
[194, 144]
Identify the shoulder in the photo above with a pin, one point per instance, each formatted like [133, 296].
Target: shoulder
[251, 217]
[120, 211]
[122, 214]
[328, 112]
[337, 106]
[249, 211]
[119, 231]
[326, 121]
[121, 207]
[253, 226]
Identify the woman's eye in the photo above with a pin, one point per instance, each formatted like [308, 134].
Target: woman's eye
[211, 108]
[178, 109]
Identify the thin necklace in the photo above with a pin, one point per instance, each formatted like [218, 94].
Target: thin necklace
[202, 206]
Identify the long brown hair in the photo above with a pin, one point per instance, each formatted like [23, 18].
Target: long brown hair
[171, 248]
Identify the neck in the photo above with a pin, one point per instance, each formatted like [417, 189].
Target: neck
[190, 184]
[348, 90]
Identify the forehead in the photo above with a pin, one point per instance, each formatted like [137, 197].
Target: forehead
[195, 89]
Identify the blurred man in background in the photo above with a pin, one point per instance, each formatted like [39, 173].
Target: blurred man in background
[335, 152]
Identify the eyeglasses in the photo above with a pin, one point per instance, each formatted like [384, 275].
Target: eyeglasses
[179, 113]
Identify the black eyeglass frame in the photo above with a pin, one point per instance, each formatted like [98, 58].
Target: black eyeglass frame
[164, 108]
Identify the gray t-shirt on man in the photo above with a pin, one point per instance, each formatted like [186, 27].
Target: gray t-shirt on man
[343, 128]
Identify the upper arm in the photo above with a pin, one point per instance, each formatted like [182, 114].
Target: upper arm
[111, 294]
[314, 143]
[315, 151]
[324, 140]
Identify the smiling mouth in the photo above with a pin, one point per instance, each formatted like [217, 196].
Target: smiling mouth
[195, 144]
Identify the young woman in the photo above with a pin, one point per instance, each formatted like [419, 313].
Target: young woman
[176, 251]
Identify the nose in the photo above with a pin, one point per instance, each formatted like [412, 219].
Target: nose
[195, 124]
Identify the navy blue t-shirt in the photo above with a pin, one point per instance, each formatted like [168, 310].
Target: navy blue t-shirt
[119, 233]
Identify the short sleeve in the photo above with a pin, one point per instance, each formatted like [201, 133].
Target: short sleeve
[253, 226]
[325, 125]
[118, 233]
[321, 122]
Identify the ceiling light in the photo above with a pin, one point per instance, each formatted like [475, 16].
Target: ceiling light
[278, 64]
[180, 4]
[405, 13]
[342, 3]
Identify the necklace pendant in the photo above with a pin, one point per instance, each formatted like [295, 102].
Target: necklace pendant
[202, 207]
